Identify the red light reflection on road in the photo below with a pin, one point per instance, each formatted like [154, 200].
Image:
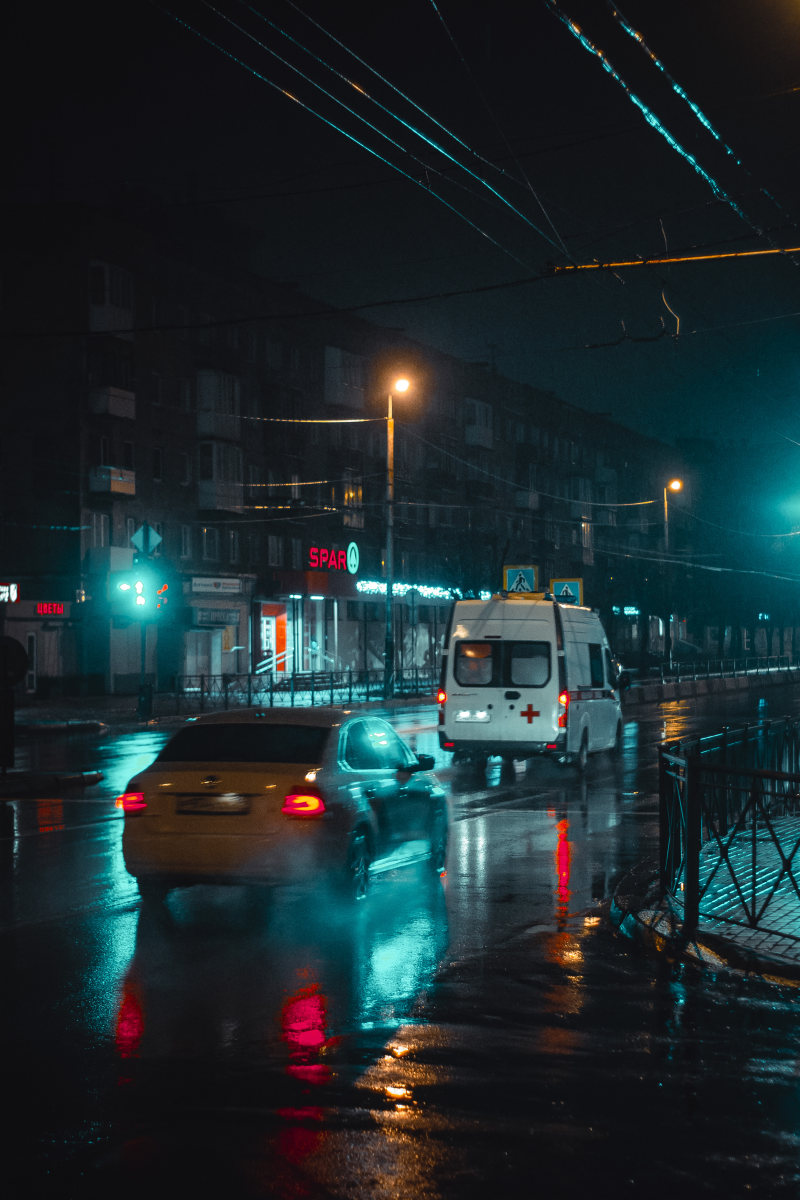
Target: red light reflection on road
[49, 816]
[304, 1029]
[563, 857]
[130, 1023]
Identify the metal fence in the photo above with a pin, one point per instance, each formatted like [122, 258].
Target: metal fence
[300, 689]
[730, 827]
[712, 668]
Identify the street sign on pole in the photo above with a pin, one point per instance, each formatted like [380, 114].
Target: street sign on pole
[146, 540]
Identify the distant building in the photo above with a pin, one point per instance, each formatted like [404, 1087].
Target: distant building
[152, 382]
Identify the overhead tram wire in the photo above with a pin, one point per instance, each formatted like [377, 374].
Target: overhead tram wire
[403, 95]
[561, 243]
[340, 129]
[427, 140]
[703, 119]
[651, 117]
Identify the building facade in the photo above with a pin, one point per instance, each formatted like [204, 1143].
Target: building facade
[173, 416]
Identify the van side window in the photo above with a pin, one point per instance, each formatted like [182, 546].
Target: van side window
[474, 664]
[529, 664]
[596, 665]
[611, 674]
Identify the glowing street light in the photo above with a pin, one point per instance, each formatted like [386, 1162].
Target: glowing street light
[674, 485]
[400, 386]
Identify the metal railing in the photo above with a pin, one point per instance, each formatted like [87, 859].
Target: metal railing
[297, 689]
[712, 668]
[730, 827]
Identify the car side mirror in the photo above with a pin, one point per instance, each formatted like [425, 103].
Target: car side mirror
[425, 762]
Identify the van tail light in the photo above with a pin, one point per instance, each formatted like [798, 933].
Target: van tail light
[131, 802]
[441, 696]
[563, 700]
[303, 804]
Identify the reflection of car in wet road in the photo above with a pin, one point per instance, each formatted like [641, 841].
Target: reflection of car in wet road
[274, 797]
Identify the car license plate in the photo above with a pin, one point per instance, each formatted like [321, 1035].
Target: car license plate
[224, 804]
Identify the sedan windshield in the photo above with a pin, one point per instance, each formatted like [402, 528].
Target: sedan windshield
[247, 743]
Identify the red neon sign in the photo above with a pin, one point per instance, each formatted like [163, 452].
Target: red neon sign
[331, 560]
[52, 608]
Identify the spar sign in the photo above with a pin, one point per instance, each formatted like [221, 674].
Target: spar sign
[328, 558]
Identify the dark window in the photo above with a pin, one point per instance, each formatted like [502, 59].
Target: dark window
[97, 284]
[596, 664]
[247, 743]
[206, 461]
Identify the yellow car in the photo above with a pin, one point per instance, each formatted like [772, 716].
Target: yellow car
[282, 796]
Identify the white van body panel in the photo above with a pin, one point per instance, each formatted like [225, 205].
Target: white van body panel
[525, 676]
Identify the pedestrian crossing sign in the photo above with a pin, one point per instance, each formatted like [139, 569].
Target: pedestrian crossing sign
[520, 579]
[567, 591]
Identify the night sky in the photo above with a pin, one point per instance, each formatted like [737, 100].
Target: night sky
[109, 97]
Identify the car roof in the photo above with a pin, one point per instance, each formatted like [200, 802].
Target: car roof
[324, 716]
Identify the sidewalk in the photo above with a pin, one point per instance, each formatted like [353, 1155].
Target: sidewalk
[724, 938]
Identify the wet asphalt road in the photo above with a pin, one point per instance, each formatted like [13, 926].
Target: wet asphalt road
[484, 1034]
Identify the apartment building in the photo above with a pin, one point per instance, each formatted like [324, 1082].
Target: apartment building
[170, 412]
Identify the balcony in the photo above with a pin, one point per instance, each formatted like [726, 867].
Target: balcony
[112, 479]
[219, 425]
[529, 500]
[479, 435]
[220, 496]
[113, 402]
[104, 559]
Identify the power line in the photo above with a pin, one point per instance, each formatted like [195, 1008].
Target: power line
[668, 260]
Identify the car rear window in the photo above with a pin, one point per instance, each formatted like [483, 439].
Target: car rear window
[247, 743]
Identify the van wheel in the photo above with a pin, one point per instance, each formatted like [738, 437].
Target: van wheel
[478, 763]
[617, 747]
[582, 757]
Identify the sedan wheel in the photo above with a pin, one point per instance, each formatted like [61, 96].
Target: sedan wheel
[358, 863]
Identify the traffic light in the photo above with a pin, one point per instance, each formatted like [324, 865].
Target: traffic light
[142, 593]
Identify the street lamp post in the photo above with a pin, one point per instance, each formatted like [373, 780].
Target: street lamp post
[674, 485]
[400, 385]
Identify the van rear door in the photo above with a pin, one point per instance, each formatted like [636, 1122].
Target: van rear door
[504, 692]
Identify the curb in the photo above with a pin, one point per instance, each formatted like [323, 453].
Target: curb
[639, 914]
[17, 784]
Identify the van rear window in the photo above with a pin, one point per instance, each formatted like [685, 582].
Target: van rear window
[529, 664]
[474, 664]
[502, 664]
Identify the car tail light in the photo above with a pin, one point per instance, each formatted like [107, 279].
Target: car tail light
[563, 700]
[303, 804]
[131, 802]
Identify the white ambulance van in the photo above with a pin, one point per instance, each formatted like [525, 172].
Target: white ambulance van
[524, 675]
